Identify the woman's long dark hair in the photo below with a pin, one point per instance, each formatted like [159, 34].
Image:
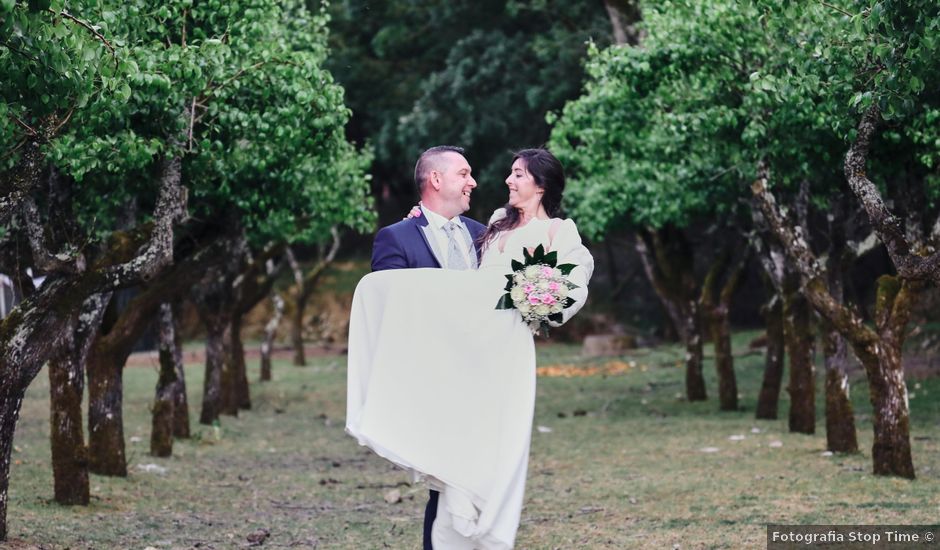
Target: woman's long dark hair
[548, 174]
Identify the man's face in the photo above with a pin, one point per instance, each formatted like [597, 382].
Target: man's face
[453, 182]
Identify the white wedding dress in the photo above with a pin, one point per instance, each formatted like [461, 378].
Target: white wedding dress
[443, 385]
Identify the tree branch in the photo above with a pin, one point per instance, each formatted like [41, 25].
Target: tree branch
[889, 228]
[45, 261]
[16, 186]
[88, 27]
[810, 271]
[170, 209]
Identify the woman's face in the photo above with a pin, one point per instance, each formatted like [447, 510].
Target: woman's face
[523, 191]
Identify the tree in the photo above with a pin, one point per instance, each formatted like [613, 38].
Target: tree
[639, 150]
[872, 60]
[133, 112]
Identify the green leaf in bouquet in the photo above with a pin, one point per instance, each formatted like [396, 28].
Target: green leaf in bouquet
[569, 302]
[505, 302]
[566, 268]
[570, 285]
[556, 318]
[527, 256]
[539, 254]
[551, 258]
[509, 282]
[517, 265]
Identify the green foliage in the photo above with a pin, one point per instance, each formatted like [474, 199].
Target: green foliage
[480, 75]
[673, 132]
[237, 89]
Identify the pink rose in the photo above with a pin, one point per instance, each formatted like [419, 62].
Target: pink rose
[548, 299]
[546, 271]
[553, 286]
[528, 289]
[534, 299]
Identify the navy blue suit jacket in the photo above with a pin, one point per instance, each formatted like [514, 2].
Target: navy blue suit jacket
[404, 245]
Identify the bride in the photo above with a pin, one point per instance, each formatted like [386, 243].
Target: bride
[425, 340]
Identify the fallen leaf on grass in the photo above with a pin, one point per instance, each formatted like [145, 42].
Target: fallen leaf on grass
[709, 449]
[736, 437]
[393, 496]
[543, 429]
[775, 444]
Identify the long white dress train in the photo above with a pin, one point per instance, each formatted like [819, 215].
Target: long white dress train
[443, 384]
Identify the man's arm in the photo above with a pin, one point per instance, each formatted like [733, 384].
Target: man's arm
[387, 253]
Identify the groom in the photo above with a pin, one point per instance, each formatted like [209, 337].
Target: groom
[437, 237]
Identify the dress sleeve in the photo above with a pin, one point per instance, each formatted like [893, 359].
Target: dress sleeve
[567, 243]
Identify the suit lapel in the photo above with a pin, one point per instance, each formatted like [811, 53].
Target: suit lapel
[423, 229]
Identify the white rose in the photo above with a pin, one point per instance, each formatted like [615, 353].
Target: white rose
[532, 272]
[557, 307]
[517, 294]
[542, 285]
[556, 273]
[542, 310]
[562, 292]
[518, 278]
[523, 307]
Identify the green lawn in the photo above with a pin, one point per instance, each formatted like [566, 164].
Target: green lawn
[622, 466]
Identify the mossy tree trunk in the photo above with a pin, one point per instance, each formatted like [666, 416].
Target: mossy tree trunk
[163, 412]
[716, 307]
[270, 331]
[798, 335]
[304, 286]
[181, 427]
[840, 418]
[114, 344]
[66, 385]
[878, 349]
[11, 400]
[667, 259]
[769, 398]
[35, 329]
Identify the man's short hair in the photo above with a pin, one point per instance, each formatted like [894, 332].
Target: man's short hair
[426, 163]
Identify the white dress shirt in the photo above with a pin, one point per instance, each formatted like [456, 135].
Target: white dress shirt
[436, 224]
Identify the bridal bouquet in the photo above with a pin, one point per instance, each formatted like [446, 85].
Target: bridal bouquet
[538, 288]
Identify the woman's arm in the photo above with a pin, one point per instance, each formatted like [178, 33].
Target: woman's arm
[567, 243]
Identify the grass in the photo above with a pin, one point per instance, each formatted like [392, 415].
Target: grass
[621, 467]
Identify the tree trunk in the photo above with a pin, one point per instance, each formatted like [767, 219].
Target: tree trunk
[768, 400]
[229, 398]
[66, 385]
[11, 400]
[724, 361]
[297, 331]
[798, 334]
[669, 268]
[840, 419]
[163, 414]
[180, 401]
[242, 389]
[270, 331]
[69, 453]
[891, 450]
[694, 378]
[215, 361]
[105, 368]
[716, 313]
